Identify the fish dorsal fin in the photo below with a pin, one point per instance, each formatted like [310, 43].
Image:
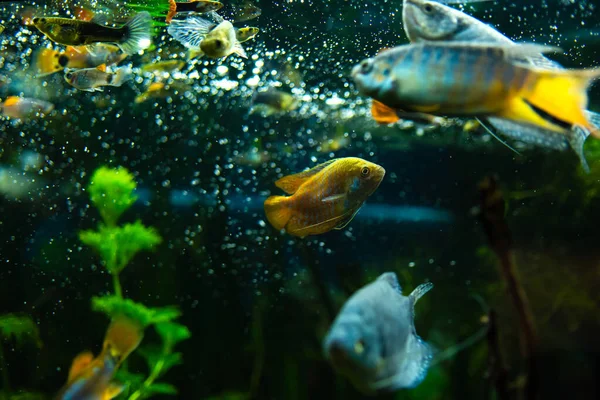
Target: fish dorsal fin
[391, 279]
[113, 390]
[101, 67]
[291, 183]
[99, 19]
[383, 114]
[346, 220]
[80, 363]
[420, 291]
[383, 49]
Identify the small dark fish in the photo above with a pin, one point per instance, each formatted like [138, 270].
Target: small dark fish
[132, 37]
[373, 340]
[246, 12]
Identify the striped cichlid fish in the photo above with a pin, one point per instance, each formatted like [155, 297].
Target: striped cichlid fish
[323, 198]
[462, 79]
[430, 21]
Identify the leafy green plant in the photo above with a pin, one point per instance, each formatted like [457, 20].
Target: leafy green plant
[111, 191]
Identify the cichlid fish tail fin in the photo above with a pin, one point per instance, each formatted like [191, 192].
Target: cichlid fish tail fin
[138, 33]
[278, 211]
[540, 105]
[383, 114]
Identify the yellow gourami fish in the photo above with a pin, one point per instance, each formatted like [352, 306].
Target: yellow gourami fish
[460, 79]
[324, 197]
[92, 378]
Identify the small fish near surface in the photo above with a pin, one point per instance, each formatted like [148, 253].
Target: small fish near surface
[91, 378]
[373, 341]
[134, 36]
[48, 61]
[193, 6]
[324, 197]
[212, 40]
[437, 78]
[430, 21]
[93, 79]
[24, 108]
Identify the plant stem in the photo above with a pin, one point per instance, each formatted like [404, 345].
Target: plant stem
[151, 378]
[4, 366]
[117, 285]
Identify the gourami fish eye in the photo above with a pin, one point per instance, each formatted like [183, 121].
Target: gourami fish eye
[365, 171]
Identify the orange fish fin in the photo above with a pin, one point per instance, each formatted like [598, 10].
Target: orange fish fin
[383, 114]
[112, 391]
[122, 337]
[291, 183]
[295, 228]
[278, 211]
[101, 67]
[11, 101]
[346, 219]
[47, 61]
[80, 363]
[172, 11]
[541, 106]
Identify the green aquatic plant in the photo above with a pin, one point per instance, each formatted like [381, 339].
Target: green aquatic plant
[159, 360]
[111, 191]
[21, 330]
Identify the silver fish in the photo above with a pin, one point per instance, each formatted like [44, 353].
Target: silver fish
[426, 21]
[373, 341]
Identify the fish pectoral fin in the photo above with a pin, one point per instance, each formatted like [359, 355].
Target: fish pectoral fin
[99, 19]
[239, 50]
[420, 291]
[346, 220]
[576, 137]
[383, 114]
[333, 198]
[291, 183]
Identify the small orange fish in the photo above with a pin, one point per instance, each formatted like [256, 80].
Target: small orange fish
[83, 14]
[323, 198]
[91, 378]
[25, 108]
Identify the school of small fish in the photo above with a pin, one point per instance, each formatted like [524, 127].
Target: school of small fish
[373, 340]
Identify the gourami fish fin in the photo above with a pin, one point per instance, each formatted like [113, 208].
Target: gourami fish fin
[239, 50]
[122, 337]
[529, 134]
[383, 114]
[420, 291]
[101, 67]
[191, 31]
[113, 390]
[80, 362]
[346, 220]
[47, 61]
[291, 183]
[392, 279]
[577, 136]
[333, 197]
[138, 33]
[292, 227]
[483, 123]
[559, 113]
[278, 211]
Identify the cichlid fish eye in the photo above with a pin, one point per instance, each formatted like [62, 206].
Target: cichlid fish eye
[428, 8]
[366, 66]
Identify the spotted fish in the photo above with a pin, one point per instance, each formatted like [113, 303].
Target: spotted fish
[323, 198]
